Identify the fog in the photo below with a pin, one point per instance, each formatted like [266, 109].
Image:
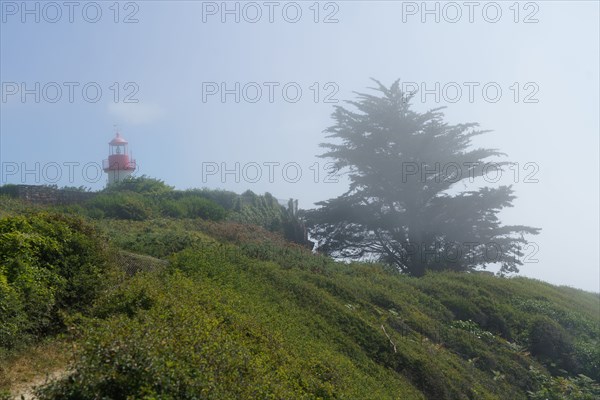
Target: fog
[236, 96]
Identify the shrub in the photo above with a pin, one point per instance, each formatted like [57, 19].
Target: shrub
[550, 342]
[198, 207]
[223, 198]
[48, 262]
[142, 184]
[126, 205]
[172, 208]
[588, 354]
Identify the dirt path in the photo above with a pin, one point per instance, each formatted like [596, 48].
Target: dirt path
[21, 372]
[25, 390]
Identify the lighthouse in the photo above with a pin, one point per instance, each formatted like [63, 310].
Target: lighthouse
[119, 165]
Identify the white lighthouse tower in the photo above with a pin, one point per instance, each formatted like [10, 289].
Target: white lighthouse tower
[119, 165]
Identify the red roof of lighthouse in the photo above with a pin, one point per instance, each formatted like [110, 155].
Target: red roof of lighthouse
[118, 140]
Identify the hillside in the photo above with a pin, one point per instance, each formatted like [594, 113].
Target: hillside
[199, 296]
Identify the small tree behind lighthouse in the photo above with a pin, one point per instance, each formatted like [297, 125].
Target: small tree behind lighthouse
[119, 165]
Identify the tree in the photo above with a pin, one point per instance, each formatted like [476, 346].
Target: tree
[403, 206]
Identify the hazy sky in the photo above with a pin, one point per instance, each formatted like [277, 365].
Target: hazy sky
[211, 94]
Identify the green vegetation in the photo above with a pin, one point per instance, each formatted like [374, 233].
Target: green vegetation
[48, 263]
[139, 199]
[219, 308]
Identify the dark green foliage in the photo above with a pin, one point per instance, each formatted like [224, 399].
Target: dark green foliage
[172, 208]
[9, 190]
[142, 198]
[198, 207]
[294, 229]
[398, 207]
[587, 354]
[48, 263]
[223, 198]
[263, 211]
[550, 341]
[145, 205]
[120, 205]
[158, 238]
[142, 185]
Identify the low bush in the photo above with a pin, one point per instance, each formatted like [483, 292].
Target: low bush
[551, 343]
[120, 205]
[198, 207]
[48, 263]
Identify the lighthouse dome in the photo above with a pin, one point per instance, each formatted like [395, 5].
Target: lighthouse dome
[118, 140]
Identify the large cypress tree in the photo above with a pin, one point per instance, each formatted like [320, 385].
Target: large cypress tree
[403, 206]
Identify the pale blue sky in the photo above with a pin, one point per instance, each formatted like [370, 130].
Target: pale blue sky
[170, 52]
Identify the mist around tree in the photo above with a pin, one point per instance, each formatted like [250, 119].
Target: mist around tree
[404, 206]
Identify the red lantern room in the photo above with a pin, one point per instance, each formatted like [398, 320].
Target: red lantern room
[119, 165]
